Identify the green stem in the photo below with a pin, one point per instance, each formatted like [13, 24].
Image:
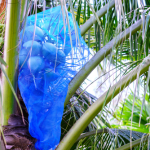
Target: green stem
[98, 57]
[134, 143]
[86, 26]
[10, 57]
[73, 134]
[87, 134]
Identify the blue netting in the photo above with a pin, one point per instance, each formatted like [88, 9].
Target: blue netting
[46, 66]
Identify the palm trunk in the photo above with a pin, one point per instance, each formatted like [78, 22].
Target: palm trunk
[11, 57]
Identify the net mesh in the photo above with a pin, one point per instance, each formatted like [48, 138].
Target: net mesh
[51, 53]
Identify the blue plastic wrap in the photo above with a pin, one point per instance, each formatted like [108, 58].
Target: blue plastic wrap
[46, 66]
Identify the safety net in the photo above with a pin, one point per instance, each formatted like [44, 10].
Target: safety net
[52, 51]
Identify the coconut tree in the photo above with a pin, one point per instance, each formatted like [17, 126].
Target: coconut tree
[118, 32]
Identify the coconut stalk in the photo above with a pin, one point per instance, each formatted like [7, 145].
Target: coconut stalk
[98, 57]
[73, 134]
[11, 45]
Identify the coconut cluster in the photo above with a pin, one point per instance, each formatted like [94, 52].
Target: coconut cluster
[51, 53]
[40, 56]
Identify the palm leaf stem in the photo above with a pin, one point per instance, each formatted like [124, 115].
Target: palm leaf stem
[96, 107]
[10, 57]
[87, 134]
[88, 24]
[98, 57]
[134, 143]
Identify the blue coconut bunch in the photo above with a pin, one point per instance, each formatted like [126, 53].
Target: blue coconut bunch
[47, 64]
